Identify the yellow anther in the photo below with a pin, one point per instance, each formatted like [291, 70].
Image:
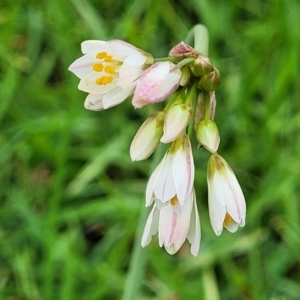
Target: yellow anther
[101, 55]
[110, 69]
[227, 220]
[108, 58]
[103, 80]
[97, 67]
[174, 200]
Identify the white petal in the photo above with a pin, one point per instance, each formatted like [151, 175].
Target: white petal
[183, 170]
[128, 74]
[165, 189]
[172, 229]
[134, 56]
[93, 102]
[152, 182]
[232, 227]
[194, 233]
[93, 45]
[117, 96]
[82, 66]
[151, 226]
[217, 212]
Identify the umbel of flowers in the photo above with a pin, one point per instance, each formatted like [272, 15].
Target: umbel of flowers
[111, 72]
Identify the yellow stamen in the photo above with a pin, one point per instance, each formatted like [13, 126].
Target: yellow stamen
[174, 200]
[103, 80]
[97, 67]
[227, 220]
[101, 55]
[110, 69]
[108, 58]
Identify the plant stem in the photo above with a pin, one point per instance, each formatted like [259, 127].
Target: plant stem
[199, 34]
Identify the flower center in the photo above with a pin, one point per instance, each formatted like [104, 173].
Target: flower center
[174, 200]
[107, 66]
[227, 220]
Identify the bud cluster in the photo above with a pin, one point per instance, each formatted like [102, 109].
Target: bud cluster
[111, 72]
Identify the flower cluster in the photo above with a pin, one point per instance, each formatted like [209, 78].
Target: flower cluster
[112, 71]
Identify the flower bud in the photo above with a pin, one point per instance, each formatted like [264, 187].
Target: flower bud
[211, 81]
[176, 120]
[200, 108]
[183, 50]
[208, 135]
[226, 202]
[148, 136]
[156, 84]
[202, 66]
[185, 76]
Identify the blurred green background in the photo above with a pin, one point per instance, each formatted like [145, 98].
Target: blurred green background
[70, 197]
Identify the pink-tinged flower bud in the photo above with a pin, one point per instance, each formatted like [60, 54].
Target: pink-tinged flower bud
[176, 120]
[211, 81]
[208, 135]
[148, 136]
[226, 202]
[202, 65]
[156, 84]
[183, 50]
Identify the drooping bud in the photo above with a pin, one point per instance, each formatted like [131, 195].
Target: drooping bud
[156, 84]
[202, 66]
[176, 120]
[211, 81]
[148, 136]
[208, 135]
[226, 202]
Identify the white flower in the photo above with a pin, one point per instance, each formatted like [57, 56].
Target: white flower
[227, 207]
[156, 84]
[174, 175]
[109, 71]
[174, 229]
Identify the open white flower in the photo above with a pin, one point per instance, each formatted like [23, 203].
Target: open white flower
[109, 71]
[227, 207]
[174, 175]
[174, 229]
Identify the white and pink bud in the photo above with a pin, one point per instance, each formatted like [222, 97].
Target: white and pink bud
[147, 138]
[176, 120]
[156, 84]
[227, 207]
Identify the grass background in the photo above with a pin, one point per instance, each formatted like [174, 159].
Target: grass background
[70, 197]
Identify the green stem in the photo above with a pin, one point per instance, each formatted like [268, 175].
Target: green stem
[139, 254]
[199, 34]
[192, 99]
